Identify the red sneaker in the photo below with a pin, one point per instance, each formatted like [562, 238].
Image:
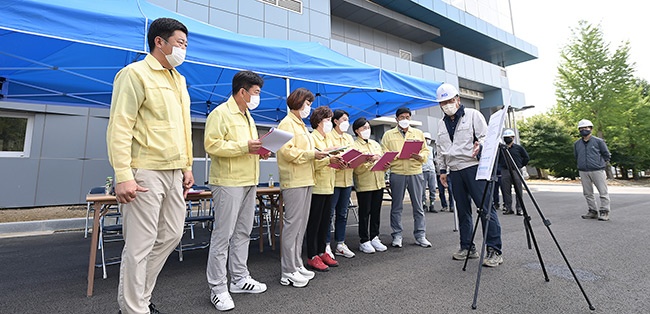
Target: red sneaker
[328, 260]
[317, 264]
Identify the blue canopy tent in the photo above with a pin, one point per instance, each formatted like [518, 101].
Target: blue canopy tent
[69, 52]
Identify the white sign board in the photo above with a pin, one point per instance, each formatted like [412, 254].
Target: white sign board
[491, 144]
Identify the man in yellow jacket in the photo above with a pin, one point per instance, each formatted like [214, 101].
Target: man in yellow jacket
[406, 174]
[150, 148]
[231, 139]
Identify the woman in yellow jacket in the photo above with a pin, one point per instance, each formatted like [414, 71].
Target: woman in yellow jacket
[296, 168]
[342, 186]
[319, 214]
[369, 186]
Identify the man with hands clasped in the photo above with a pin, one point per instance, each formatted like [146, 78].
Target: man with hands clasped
[406, 174]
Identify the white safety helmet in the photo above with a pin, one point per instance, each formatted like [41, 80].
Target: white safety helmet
[446, 91]
[508, 133]
[427, 135]
[585, 123]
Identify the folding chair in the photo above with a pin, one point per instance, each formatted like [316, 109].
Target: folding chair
[89, 208]
[198, 213]
[110, 233]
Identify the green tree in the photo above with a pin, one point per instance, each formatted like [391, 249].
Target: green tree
[630, 140]
[594, 83]
[549, 144]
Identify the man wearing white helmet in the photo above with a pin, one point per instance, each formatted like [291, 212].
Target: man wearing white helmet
[520, 157]
[429, 173]
[460, 135]
[592, 156]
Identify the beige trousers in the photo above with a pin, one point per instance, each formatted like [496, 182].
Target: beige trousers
[153, 225]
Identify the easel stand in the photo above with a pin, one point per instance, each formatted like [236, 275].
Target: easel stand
[530, 235]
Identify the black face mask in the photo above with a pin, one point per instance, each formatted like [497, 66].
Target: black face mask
[508, 140]
[584, 133]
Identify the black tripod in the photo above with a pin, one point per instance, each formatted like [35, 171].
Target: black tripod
[530, 235]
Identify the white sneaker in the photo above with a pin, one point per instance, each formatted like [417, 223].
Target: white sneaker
[397, 241]
[306, 272]
[328, 250]
[343, 250]
[294, 279]
[247, 285]
[366, 247]
[423, 242]
[379, 247]
[223, 301]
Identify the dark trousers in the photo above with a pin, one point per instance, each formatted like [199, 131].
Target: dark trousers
[506, 188]
[441, 193]
[318, 224]
[466, 189]
[369, 211]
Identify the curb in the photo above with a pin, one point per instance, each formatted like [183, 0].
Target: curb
[40, 227]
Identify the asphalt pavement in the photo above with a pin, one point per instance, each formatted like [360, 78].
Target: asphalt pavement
[47, 273]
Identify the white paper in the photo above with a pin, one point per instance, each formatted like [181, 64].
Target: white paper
[491, 144]
[275, 139]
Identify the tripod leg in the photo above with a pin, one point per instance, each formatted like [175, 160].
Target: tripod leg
[486, 228]
[547, 224]
[480, 211]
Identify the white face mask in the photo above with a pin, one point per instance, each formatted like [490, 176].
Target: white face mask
[344, 126]
[255, 101]
[176, 58]
[450, 109]
[365, 134]
[404, 123]
[304, 113]
[327, 126]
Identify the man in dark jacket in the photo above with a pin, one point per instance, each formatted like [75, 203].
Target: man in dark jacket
[592, 156]
[520, 157]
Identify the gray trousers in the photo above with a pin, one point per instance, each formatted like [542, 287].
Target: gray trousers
[234, 212]
[398, 185]
[599, 179]
[297, 202]
[430, 182]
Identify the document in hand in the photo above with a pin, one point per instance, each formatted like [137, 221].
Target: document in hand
[381, 163]
[273, 140]
[356, 162]
[410, 147]
[347, 157]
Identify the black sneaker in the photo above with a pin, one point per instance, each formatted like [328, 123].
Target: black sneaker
[431, 209]
[508, 212]
[153, 309]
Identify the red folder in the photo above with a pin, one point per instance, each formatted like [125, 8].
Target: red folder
[356, 162]
[410, 147]
[348, 157]
[379, 165]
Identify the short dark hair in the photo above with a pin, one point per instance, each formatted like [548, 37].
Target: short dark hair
[403, 110]
[246, 80]
[165, 28]
[297, 98]
[358, 123]
[321, 113]
[338, 113]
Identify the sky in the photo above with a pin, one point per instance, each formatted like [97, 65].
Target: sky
[547, 25]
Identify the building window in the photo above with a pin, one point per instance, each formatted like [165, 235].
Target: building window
[406, 55]
[15, 134]
[291, 5]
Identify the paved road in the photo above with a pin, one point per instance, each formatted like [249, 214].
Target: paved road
[47, 274]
